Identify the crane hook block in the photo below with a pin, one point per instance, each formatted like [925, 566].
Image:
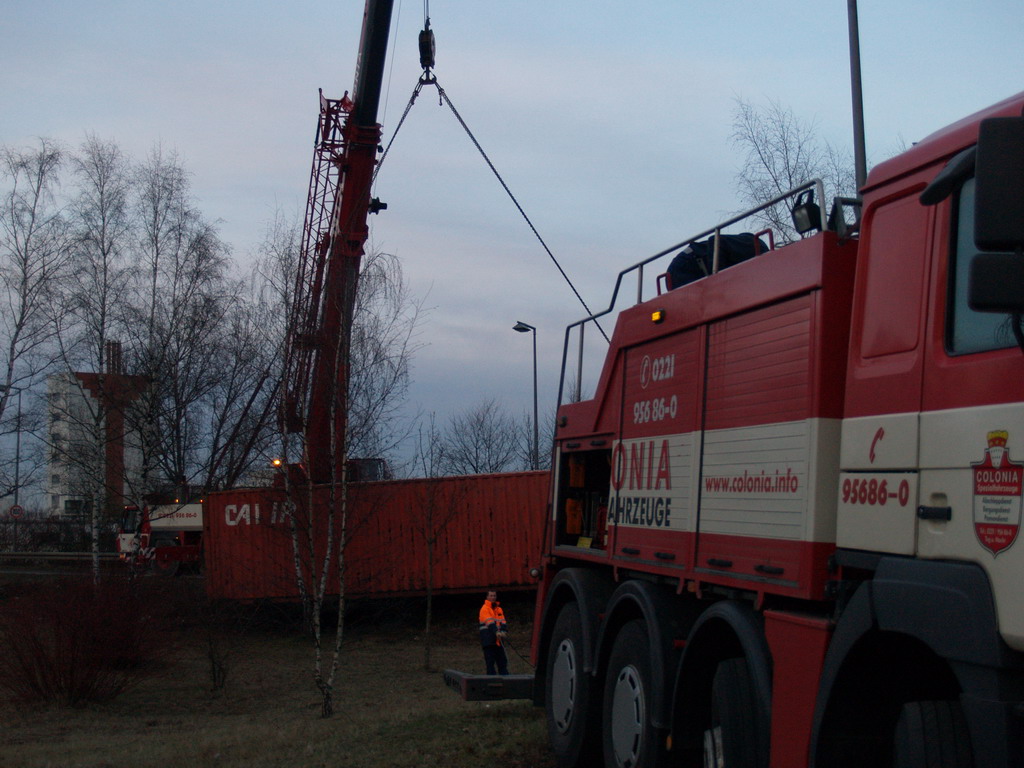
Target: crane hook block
[427, 48]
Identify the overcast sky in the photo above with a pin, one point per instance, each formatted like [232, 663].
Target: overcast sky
[609, 121]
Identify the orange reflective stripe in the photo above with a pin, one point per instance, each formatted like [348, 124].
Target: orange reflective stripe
[488, 614]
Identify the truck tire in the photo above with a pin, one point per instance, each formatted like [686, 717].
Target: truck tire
[932, 734]
[166, 568]
[738, 736]
[568, 695]
[629, 738]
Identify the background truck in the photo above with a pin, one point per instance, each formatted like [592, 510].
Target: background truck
[162, 537]
[784, 529]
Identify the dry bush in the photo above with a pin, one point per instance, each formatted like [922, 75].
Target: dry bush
[73, 642]
[391, 714]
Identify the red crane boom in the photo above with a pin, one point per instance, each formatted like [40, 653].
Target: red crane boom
[335, 232]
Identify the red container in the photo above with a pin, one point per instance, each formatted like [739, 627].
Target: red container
[488, 531]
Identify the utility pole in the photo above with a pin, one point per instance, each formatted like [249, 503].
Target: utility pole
[859, 152]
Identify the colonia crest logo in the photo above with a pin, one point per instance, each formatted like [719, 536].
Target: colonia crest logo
[997, 495]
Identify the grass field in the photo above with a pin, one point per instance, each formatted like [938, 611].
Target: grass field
[388, 710]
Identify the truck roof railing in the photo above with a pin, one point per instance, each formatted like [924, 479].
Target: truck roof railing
[836, 222]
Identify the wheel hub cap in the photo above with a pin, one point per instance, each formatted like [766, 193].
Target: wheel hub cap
[563, 686]
[628, 710]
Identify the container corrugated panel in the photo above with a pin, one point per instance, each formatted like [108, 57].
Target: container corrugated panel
[248, 553]
[487, 531]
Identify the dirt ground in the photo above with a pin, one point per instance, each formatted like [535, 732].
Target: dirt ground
[389, 711]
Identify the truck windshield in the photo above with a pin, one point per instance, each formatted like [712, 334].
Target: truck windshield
[130, 522]
[970, 331]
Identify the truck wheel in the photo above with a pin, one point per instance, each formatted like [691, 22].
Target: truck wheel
[738, 734]
[630, 741]
[165, 567]
[932, 734]
[569, 703]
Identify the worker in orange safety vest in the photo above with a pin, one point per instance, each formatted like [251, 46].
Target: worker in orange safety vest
[492, 629]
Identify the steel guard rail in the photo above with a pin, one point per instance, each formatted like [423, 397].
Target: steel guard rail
[814, 184]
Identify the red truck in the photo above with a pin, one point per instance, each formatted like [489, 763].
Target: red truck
[784, 528]
[162, 537]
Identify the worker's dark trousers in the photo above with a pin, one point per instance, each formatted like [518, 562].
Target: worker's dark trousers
[495, 657]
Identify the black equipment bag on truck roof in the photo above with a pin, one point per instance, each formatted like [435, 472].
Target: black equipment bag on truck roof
[695, 260]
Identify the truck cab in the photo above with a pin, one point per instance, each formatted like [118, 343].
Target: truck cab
[933, 395]
[162, 537]
[783, 526]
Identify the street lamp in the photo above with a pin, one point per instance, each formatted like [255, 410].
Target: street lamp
[522, 327]
[857, 93]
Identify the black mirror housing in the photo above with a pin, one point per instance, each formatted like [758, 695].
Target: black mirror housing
[999, 195]
[996, 283]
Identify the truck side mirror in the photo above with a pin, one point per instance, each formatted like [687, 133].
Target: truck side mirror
[999, 192]
[997, 283]
[997, 279]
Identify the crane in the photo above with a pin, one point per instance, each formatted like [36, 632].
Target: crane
[315, 398]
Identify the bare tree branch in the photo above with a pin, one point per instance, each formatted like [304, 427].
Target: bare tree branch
[481, 440]
[782, 151]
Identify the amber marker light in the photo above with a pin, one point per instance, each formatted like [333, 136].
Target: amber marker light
[657, 315]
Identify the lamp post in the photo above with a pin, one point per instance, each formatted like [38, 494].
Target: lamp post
[522, 327]
[857, 94]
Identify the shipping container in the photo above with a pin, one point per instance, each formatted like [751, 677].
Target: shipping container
[488, 530]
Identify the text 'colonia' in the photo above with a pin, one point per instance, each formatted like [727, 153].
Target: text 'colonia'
[639, 470]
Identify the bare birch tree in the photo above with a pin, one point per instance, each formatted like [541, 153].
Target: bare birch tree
[240, 420]
[318, 518]
[383, 344]
[33, 257]
[182, 296]
[91, 315]
[120, 256]
[376, 347]
[782, 151]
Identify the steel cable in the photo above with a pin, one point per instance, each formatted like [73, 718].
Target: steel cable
[506, 643]
[429, 79]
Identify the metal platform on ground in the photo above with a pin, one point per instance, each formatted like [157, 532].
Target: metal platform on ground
[489, 687]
